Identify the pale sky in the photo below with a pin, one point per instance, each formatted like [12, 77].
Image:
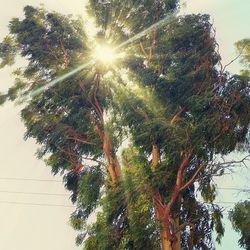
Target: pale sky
[30, 227]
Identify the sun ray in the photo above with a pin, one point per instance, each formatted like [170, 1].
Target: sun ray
[57, 80]
[141, 34]
[107, 54]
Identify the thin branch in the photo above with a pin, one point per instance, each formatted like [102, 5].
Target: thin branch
[143, 50]
[80, 140]
[177, 116]
[237, 57]
[157, 198]
[65, 54]
[96, 104]
[232, 162]
[191, 181]
[51, 52]
[93, 159]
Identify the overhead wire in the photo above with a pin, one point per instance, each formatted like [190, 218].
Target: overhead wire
[28, 179]
[71, 206]
[32, 193]
[65, 195]
[36, 204]
[58, 205]
[60, 181]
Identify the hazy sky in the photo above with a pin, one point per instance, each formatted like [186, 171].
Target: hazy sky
[31, 227]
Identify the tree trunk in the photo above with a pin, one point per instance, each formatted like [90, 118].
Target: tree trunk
[177, 239]
[158, 206]
[165, 241]
[155, 156]
[113, 165]
[169, 231]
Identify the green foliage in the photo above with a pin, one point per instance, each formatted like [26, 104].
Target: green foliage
[240, 219]
[126, 220]
[166, 92]
[63, 118]
[182, 75]
[217, 217]
[120, 19]
[243, 47]
[206, 219]
[3, 98]
[8, 50]
[208, 193]
[142, 231]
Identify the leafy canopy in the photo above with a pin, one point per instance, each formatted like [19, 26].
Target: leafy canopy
[167, 97]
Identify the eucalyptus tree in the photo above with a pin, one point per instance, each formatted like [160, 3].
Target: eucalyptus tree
[197, 112]
[167, 93]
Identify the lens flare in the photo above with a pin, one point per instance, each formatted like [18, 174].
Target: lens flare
[151, 28]
[54, 82]
[104, 54]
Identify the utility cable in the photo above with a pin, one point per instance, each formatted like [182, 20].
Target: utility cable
[37, 204]
[28, 179]
[44, 180]
[31, 193]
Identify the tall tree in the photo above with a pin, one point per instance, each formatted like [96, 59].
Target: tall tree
[202, 114]
[167, 94]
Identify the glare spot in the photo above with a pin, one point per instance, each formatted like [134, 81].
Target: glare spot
[105, 54]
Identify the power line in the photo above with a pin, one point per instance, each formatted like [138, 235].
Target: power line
[232, 188]
[65, 195]
[44, 180]
[70, 206]
[225, 202]
[36, 204]
[45, 204]
[220, 202]
[31, 193]
[27, 179]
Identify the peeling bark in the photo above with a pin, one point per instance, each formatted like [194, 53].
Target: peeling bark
[113, 165]
[159, 207]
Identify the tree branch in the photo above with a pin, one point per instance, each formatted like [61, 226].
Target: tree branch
[143, 51]
[191, 181]
[233, 60]
[176, 117]
[65, 54]
[80, 140]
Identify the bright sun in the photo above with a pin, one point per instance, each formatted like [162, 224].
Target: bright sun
[105, 54]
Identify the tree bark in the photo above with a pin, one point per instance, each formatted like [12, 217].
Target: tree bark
[159, 208]
[112, 163]
[113, 167]
[165, 241]
[177, 234]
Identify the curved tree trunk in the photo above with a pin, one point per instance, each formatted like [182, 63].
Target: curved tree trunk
[112, 163]
[169, 223]
[113, 167]
[165, 236]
